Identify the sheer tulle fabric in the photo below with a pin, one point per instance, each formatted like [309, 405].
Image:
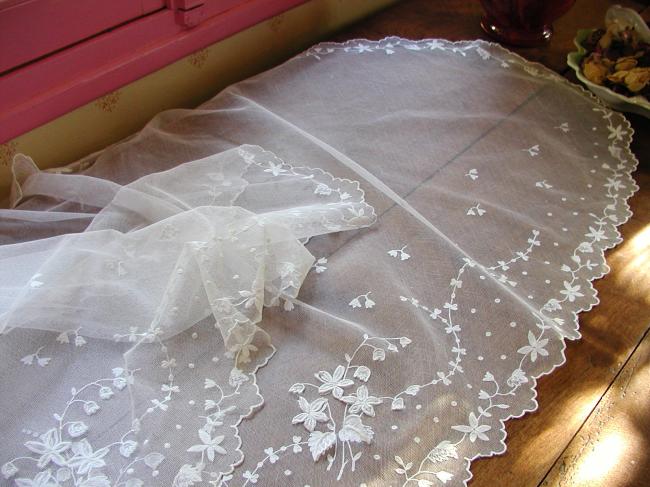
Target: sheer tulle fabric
[161, 254]
[399, 350]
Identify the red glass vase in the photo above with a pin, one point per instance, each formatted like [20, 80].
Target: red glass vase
[522, 22]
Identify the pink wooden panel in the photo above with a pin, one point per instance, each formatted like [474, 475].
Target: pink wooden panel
[34, 28]
[56, 84]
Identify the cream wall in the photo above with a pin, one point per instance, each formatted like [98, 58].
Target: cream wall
[185, 83]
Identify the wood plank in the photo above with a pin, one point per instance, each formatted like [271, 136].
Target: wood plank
[612, 330]
[611, 448]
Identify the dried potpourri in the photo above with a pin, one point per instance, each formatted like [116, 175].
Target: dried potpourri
[618, 59]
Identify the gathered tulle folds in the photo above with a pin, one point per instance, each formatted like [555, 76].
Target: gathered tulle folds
[216, 237]
[348, 270]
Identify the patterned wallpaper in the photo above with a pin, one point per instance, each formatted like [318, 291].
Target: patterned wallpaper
[185, 83]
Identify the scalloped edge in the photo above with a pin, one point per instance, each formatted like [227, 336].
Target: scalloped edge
[624, 213]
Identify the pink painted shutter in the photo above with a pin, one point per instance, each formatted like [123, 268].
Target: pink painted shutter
[56, 55]
[30, 29]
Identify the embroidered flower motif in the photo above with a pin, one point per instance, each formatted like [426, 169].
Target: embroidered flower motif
[517, 378]
[474, 429]
[596, 234]
[77, 429]
[472, 174]
[333, 382]
[362, 401]
[237, 377]
[49, 448]
[585, 248]
[275, 169]
[105, 392]
[312, 413]
[90, 407]
[614, 184]
[399, 253]
[571, 292]
[443, 451]
[244, 352]
[362, 48]
[187, 476]
[476, 211]
[8, 470]
[564, 127]
[365, 298]
[534, 347]
[320, 266]
[210, 445]
[363, 373]
[323, 189]
[85, 458]
[616, 133]
[532, 151]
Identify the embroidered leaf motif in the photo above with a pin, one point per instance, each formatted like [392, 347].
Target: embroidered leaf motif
[404, 467]
[412, 390]
[354, 430]
[127, 448]
[297, 388]
[319, 442]
[152, 460]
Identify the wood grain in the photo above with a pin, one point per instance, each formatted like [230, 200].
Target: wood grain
[544, 448]
[612, 446]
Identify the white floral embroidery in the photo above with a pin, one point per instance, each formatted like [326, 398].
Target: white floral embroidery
[533, 151]
[564, 127]
[363, 298]
[476, 210]
[400, 253]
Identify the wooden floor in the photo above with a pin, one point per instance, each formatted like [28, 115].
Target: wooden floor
[593, 423]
